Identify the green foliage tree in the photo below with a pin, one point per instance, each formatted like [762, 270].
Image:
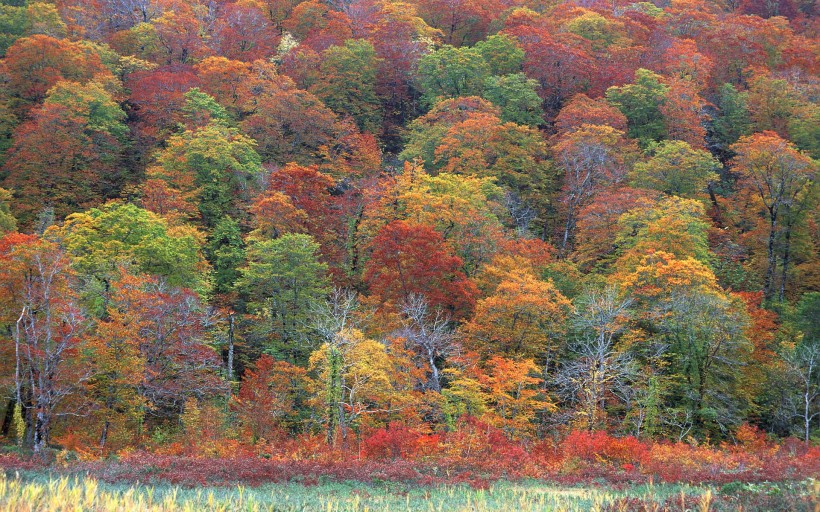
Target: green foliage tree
[12, 25]
[676, 169]
[8, 123]
[201, 108]
[700, 330]
[17, 21]
[212, 166]
[640, 102]
[801, 355]
[517, 98]
[804, 128]
[8, 223]
[732, 120]
[347, 82]
[452, 72]
[101, 240]
[777, 105]
[502, 53]
[225, 251]
[283, 282]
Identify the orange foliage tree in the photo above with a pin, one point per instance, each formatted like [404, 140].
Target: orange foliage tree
[269, 398]
[524, 317]
[783, 179]
[46, 328]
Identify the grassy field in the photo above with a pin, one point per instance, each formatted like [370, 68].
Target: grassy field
[41, 491]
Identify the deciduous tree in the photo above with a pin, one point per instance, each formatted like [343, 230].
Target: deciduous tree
[347, 83]
[641, 103]
[676, 169]
[214, 167]
[170, 325]
[282, 281]
[102, 240]
[451, 73]
[269, 398]
[593, 157]
[703, 329]
[353, 379]
[783, 178]
[516, 95]
[582, 109]
[514, 396]
[561, 62]
[429, 336]
[69, 155]
[597, 368]
[38, 62]
[118, 369]
[8, 224]
[523, 318]
[409, 258]
[36, 280]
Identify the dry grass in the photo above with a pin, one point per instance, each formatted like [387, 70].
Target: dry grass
[40, 492]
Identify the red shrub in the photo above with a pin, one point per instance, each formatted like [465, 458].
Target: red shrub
[13, 462]
[395, 441]
[603, 448]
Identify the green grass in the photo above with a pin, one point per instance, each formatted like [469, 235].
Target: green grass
[42, 491]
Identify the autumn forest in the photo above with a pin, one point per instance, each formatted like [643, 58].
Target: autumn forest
[505, 237]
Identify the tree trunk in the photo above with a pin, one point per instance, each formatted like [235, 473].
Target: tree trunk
[807, 412]
[230, 346]
[342, 425]
[335, 411]
[104, 435]
[786, 257]
[8, 417]
[41, 427]
[568, 227]
[435, 377]
[717, 215]
[768, 290]
[353, 243]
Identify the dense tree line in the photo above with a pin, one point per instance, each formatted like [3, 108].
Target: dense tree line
[330, 217]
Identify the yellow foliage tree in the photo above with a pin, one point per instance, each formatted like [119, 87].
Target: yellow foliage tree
[352, 379]
[513, 395]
